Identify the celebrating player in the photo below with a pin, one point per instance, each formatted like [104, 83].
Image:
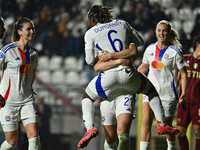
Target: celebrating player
[163, 59]
[19, 62]
[115, 36]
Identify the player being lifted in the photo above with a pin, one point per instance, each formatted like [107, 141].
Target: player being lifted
[121, 40]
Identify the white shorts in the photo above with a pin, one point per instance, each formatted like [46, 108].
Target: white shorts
[111, 109]
[168, 106]
[11, 115]
[112, 84]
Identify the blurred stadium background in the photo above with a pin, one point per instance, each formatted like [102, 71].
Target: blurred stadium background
[62, 73]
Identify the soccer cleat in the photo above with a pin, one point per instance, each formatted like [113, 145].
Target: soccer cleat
[87, 137]
[166, 130]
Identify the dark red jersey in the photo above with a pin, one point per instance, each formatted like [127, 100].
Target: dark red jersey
[193, 74]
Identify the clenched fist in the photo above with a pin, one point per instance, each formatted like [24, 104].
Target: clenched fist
[2, 101]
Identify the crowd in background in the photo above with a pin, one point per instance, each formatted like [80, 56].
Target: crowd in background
[61, 24]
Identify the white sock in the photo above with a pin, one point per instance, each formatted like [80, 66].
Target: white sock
[34, 143]
[144, 145]
[123, 142]
[88, 113]
[170, 145]
[6, 146]
[158, 110]
[108, 146]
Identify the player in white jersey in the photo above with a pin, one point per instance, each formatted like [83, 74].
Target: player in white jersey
[114, 36]
[163, 59]
[116, 116]
[19, 62]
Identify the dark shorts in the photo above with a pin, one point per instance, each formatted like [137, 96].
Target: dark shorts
[188, 113]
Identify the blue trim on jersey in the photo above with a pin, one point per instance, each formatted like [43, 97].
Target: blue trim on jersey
[27, 54]
[162, 53]
[7, 47]
[176, 49]
[99, 88]
[174, 89]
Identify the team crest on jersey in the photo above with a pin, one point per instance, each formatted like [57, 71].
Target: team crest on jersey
[7, 118]
[195, 65]
[103, 118]
[166, 55]
[187, 63]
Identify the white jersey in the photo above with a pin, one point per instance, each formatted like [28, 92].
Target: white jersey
[163, 67]
[113, 37]
[16, 82]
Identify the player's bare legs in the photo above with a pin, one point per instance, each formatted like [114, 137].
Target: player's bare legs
[33, 136]
[123, 127]
[110, 132]
[147, 121]
[120, 132]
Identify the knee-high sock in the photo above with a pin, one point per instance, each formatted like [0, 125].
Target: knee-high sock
[197, 144]
[34, 143]
[158, 110]
[144, 145]
[88, 113]
[123, 142]
[170, 145]
[108, 146]
[6, 146]
[183, 142]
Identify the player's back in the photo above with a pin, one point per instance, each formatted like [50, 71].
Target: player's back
[110, 36]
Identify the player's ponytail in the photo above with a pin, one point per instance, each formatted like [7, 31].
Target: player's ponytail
[101, 13]
[173, 34]
[18, 26]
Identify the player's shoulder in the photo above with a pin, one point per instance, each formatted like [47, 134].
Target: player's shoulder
[8, 47]
[152, 45]
[176, 49]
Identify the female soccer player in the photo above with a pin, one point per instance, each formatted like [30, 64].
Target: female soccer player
[163, 59]
[19, 62]
[114, 36]
[190, 111]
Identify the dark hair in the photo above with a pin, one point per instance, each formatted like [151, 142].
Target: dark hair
[196, 41]
[101, 13]
[18, 26]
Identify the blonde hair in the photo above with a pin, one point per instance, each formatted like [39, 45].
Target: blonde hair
[173, 34]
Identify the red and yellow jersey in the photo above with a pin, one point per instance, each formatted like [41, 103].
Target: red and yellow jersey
[16, 81]
[193, 74]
